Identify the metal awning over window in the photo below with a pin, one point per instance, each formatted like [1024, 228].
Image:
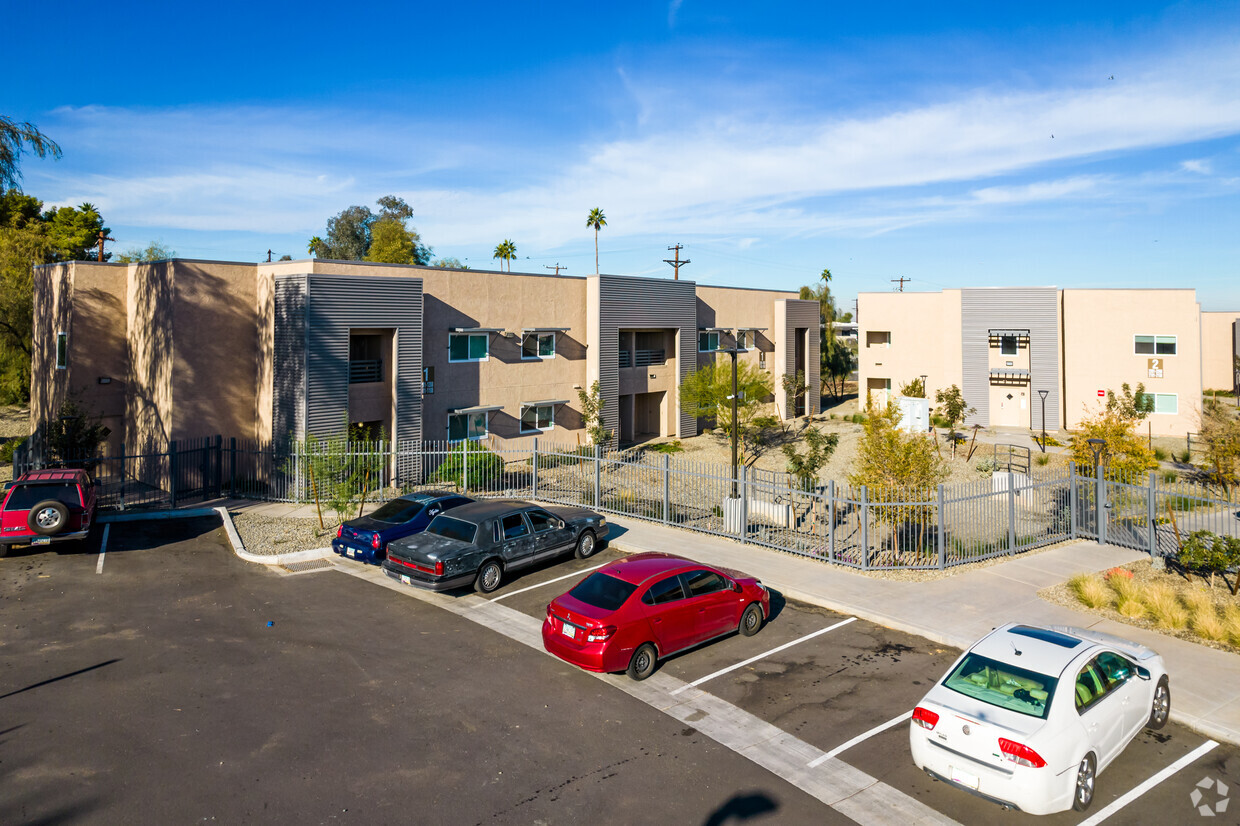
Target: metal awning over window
[482, 408]
[475, 329]
[1008, 375]
[714, 329]
[1021, 336]
[528, 330]
[752, 329]
[543, 403]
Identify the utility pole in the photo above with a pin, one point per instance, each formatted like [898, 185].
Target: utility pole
[856, 313]
[901, 279]
[677, 263]
[103, 237]
[557, 268]
[268, 256]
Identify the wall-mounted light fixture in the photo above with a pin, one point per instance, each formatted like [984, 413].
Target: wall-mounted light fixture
[105, 379]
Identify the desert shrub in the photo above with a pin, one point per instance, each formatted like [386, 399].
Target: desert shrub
[1116, 424]
[1090, 590]
[805, 466]
[1231, 623]
[1043, 459]
[1203, 617]
[1127, 595]
[1165, 609]
[7, 449]
[1161, 455]
[1170, 476]
[1184, 456]
[1208, 553]
[669, 447]
[1053, 442]
[987, 466]
[472, 459]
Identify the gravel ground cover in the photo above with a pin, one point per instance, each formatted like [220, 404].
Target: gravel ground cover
[268, 535]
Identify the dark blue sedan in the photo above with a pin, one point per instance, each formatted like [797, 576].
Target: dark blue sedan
[366, 538]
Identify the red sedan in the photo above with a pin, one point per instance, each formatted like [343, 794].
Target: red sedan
[629, 614]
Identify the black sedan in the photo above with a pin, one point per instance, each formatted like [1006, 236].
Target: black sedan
[481, 542]
[367, 537]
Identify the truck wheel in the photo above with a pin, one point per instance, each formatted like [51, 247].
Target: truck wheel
[48, 518]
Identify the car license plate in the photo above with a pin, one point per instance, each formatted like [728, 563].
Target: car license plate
[405, 579]
[351, 551]
[568, 631]
[41, 540]
[964, 778]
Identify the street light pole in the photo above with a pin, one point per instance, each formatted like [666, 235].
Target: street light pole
[732, 353]
[1043, 394]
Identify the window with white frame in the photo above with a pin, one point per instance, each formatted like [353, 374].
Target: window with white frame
[1154, 345]
[1168, 403]
[744, 339]
[877, 338]
[1007, 345]
[538, 346]
[463, 426]
[708, 340]
[62, 351]
[538, 419]
[468, 346]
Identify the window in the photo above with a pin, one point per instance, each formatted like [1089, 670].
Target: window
[467, 346]
[398, 511]
[603, 591]
[25, 497]
[1007, 345]
[704, 582]
[514, 526]
[707, 341]
[668, 590]
[467, 426]
[450, 528]
[541, 520]
[1168, 403]
[744, 339]
[538, 346]
[1002, 684]
[537, 419]
[62, 351]
[1154, 345]
[877, 338]
[1091, 686]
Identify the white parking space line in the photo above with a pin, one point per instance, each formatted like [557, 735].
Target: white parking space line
[548, 582]
[103, 548]
[1121, 802]
[817, 761]
[763, 655]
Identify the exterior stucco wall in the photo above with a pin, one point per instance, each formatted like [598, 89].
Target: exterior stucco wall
[1220, 344]
[148, 390]
[924, 339]
[97, 345]
[1098, 330]
[53, 296]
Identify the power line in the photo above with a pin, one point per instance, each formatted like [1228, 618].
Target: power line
[901, 279]
[677, 264]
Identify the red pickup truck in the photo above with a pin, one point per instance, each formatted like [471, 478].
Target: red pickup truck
[45, 506]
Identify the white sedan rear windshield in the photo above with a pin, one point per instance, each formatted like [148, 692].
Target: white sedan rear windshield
[1003, 685]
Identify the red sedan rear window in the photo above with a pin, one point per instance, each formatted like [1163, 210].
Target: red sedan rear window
[603, 591]
[25, 497]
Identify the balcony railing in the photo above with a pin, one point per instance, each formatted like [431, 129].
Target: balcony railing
[642, 358]
[363, 371]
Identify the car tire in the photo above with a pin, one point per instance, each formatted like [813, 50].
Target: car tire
[751, 620]
[48, 518]
[490, 575]
[586, 545]
[1086, 776]
[645, 660]
[1160, 709]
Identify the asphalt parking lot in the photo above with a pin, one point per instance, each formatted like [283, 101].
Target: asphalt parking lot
[160, 681]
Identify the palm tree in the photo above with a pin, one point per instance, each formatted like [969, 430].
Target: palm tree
[316, 244]
[505, 251]
[12, 136]
[598, 220]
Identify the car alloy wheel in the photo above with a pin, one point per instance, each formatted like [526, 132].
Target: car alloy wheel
[1084, 784]
[489, 577]
[585, 545]
[1161, 708]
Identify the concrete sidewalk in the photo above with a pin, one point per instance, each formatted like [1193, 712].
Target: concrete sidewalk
[955, 610]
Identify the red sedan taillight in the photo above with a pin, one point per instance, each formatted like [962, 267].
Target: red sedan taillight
[925, 718]
[340, 531]
[1020, 754]
[601, 634]
[374, 541]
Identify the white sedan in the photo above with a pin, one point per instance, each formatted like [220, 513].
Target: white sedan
[1029, 716]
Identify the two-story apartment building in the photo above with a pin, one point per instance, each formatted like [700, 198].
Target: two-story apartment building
[1018, 351]
[276, 351]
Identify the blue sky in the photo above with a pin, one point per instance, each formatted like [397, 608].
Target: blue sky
[959, 144]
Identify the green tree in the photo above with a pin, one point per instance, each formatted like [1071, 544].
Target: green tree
[915, 389]
[155, 251]
[1220, 433]
[597, 220]
[1124, 452]
[1129, 405]
[390, 243]
[350, 234]
[706, 393]
[74, 435]
[818, 449]
[449, 263]
[953, 407]
[794, 388]
[896, 467]
[13, 137]
[592, 404]
[74, 232]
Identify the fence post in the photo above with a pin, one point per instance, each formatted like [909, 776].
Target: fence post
[831, 520]
[1100, 496]
[1011, 512]
[1150, 511]
[598, 476]
[1072, 499]
[941, 540]
[465, 467]
[534, 472]
[232, 465]
[219, 465]
[865, 528]
[172, 472]
[667, 488]
[122, 474]
[744, 526]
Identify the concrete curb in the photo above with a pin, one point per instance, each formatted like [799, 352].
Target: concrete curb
[142, 516]
[264, 559]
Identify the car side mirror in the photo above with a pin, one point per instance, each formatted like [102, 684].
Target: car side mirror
[1143, 672]
[737, 587]
[561, 523]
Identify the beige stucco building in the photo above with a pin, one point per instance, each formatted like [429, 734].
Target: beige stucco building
[267, 352]
[1014, 350]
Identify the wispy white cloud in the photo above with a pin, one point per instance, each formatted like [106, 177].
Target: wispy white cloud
[1199, 166]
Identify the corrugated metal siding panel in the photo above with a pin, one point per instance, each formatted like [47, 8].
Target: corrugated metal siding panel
[627, 302]
[288, 397]
[806, 314]
[338, 302]
[1033, 308]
